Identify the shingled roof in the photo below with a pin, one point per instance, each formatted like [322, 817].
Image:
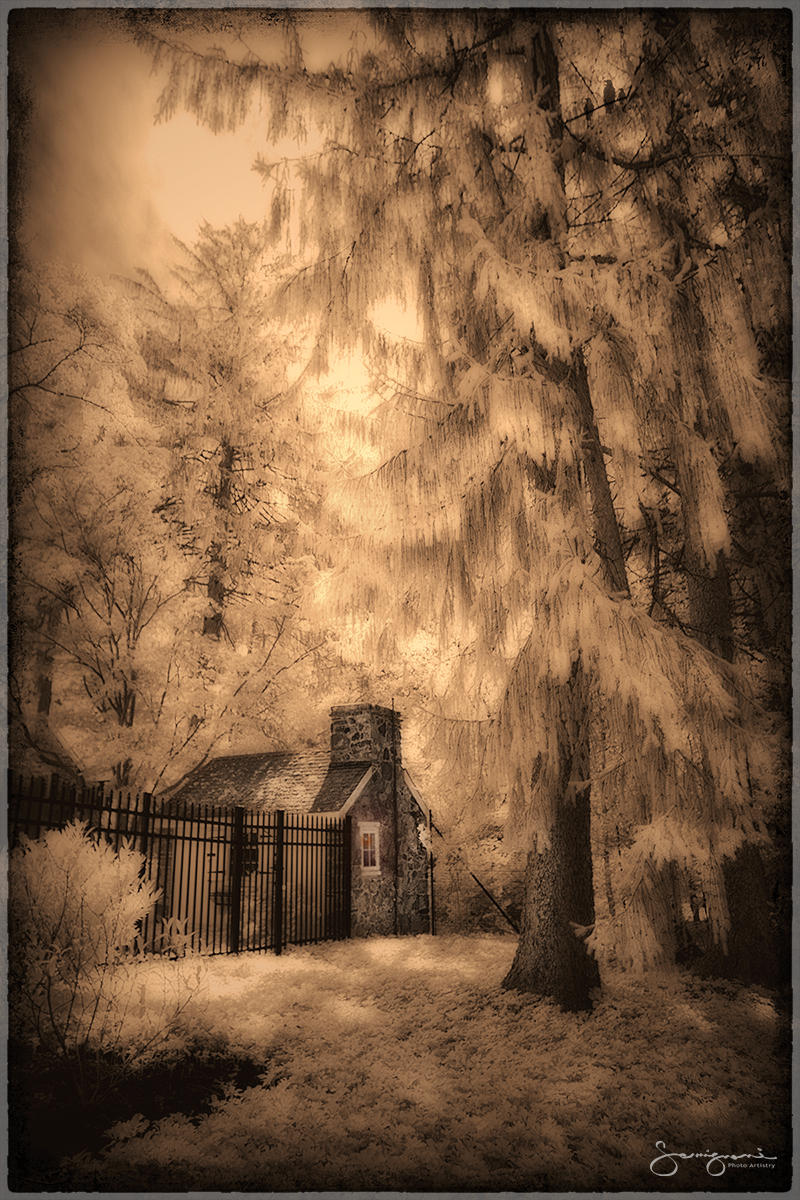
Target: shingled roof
[305, 782]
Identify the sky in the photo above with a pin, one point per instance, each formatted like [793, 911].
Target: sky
[105, 186]
[108, 188]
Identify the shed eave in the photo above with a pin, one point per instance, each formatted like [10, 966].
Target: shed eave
[357, 792]
[415, 793]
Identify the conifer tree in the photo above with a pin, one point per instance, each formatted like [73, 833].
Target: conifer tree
[140, 528]
[581, 342]
[213, 377]
[92, 579]
[705, 191]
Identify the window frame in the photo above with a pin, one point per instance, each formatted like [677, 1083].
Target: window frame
[366, 828]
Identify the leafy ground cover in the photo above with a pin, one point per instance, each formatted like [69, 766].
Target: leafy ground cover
[401, 1064]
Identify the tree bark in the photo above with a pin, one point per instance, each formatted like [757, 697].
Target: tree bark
[751, 955]
[608, 542]
[707, 584]
[551, 958]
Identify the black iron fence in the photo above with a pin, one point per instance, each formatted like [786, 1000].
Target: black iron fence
[229, 879]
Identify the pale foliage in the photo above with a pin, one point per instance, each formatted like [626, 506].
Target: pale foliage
[124, 400]
[401, 1064]
[75, 906]
[451, 163]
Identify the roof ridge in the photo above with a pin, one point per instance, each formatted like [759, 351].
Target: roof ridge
[297, 781]
[267, 754]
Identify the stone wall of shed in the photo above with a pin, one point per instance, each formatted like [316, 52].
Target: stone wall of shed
[413, 897]
[373, 897]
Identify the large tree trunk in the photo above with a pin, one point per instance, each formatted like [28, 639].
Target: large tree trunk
[751, 955]
[608, 542]
[551, 958]
[707, 584]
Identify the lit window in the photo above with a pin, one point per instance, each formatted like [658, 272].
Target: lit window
[370, 859]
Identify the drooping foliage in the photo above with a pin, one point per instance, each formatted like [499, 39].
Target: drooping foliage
[238, 491]
[157, 572]
[588, 215]
[92, 584]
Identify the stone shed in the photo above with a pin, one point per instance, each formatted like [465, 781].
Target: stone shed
[362, 776]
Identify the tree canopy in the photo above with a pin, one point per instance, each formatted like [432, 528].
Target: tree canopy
[563, 517]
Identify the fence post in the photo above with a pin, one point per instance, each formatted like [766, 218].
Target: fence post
[144, 822]
[237, 849]
[53, 797]
[12, 809]
[347, 874]
[431, 861]
[277, 906]
[98, 794]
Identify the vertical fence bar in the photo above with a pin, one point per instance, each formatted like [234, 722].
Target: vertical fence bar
[246, 901]
[286, 888]
[342, 932]
[144, 822]
[195, 860]
[52, 797]
[205, 883]
[156, 856]
[347, 876]
[336, 879]
[299, 868]
[277, 907]
[325, 861]
[301, 821]
[321, 848]
[219, 876]
[308, 908]
[332, 853]
[269, 882]
[258, 883]
[266, 879]
[322, 866]
[101, 799]
[180, 866]
[213, 879]
[237, 848]
[431, 861]
[289, 876]
[315, 890]
[260, 880]
[145, 873]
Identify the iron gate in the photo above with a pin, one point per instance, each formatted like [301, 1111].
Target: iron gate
[230, 879]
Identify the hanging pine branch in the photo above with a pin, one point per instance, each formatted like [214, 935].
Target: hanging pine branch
[591, 350]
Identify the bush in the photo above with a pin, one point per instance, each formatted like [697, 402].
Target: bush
[94, 1024]
[75, 907]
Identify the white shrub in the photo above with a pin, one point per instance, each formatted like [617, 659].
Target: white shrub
[75, 905]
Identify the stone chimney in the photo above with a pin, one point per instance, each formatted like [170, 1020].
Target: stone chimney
[363, 733]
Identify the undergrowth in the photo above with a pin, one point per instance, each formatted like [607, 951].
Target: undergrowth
[401, 1064]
